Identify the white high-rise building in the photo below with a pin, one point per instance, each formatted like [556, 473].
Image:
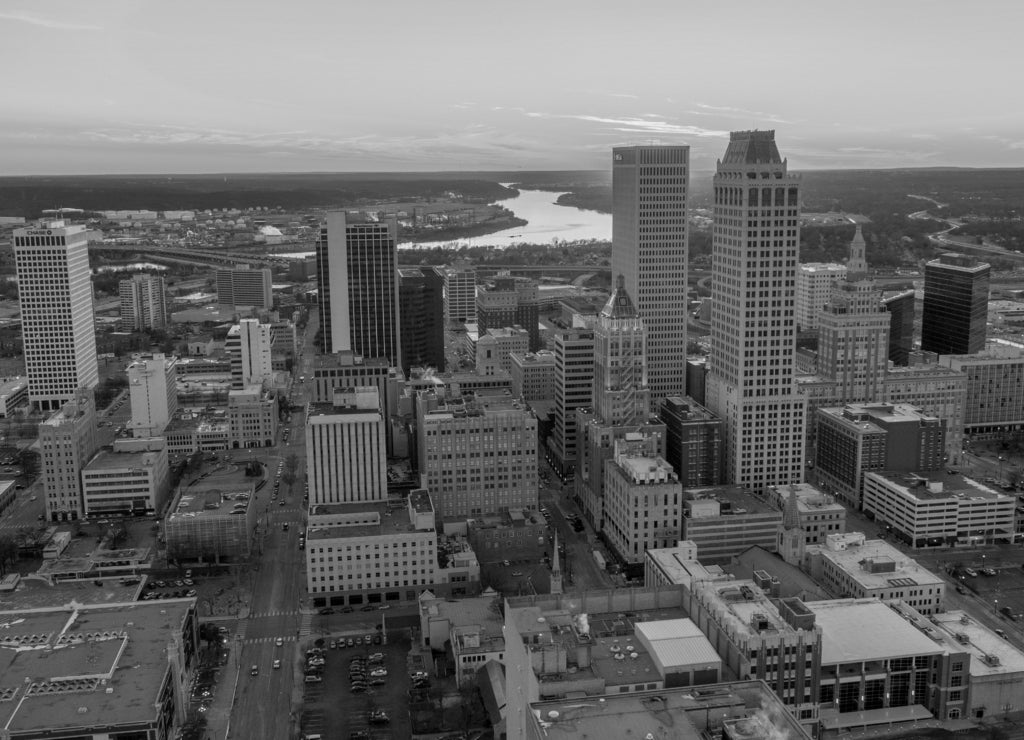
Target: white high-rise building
[154, 394]
[357, 279]
[649, 249]
[55, 292]
[249, 344]
[67, 441]
[459, 293]
[750, 383]
[143, 303]
[814, 282]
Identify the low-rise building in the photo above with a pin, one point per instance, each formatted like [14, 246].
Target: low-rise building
[186, 435]
[131, 479]
[533, 375]
[943, 508]
[212, 523]
[852, 566]
[722, 521]
[472, 628]
[678, 566]
[517, 534]
[495, 345]
[110, 670]
[820, 515]
[252, 418]
[13, 395]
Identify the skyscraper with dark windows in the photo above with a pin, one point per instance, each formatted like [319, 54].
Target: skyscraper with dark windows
[357, 278]
[750, 383]
[649, 249]
[421, 318]
[955, 305]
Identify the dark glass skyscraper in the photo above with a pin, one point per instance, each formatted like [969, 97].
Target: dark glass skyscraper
[955, 305]
[421, 318]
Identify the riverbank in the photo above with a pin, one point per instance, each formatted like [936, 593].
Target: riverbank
[507, 220]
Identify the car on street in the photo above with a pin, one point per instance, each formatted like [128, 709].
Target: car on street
[378, 672]
[367, 608]
[333, 644]
[277, 663]
[378, 717]
[516, 573]
[358, 688]
[279, 641]
[254, 671]
[327, 610]
[971, 572]
[988, 571]
[506, 563]
[347, 610]
[382, 607]
[376, 657]
[313, 679]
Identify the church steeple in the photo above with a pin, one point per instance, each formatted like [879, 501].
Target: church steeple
[556, 570]
[857, 264]
[791, 538]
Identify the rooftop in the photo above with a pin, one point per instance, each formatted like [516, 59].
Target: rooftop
[745, 607]
[990, 654]
[688, 713]
[940, 484]
[83, 665]
[106, 460]
[867, 629]
[213, 501]
[861, 555]
[379, 521]
[734, 499]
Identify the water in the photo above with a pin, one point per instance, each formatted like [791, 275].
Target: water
[548, 222]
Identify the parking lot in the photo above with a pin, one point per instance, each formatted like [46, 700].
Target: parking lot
[331, 708]
[1002, 592]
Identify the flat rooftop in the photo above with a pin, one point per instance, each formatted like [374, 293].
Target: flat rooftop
[866, 629]
[906, 571]
[52, 663]
[669, 714]
[991, 655]
[954, 485]
[677, 568]
[329, 409]
[106, 460]
[197, 501]
[740, 502]
[744, 601]
[385, 522]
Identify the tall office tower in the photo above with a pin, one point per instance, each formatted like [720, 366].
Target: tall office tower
[750, 383]
[67, 441]
[357, 276]
[814, 282]
[858, 263]
[459, 293]
[955, 305]
[510, 301]
[421, 318]
[574, 377]
[650, 232]
[241, 287]
[346, 449]
[143, 303]
[853, 341]
[152, 383]
[621, 348]
[249, 346]
[902, 311]
[55, 292]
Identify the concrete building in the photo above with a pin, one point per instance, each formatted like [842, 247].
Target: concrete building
[955, 305]
[143, 303]
[994, 405]
[13, 395]
[55, 297]
[939, 509]
[100, 671]
[212, 523]
[196, 433]
[722, 521]
[509, 301]
[495, 345]
[814, 283]
[642, 500]
[678, 566]
[344, 370]
[693, 442]
[853, 340]
[67, 441]
[240, 288]
[132, 479]
[377, 554]
[938, 391]
[421, 318]
[773, 640]
[884, 666]
[574, 378]
[357, 281]
[595, 645]
[249, 345]
[252, 418]
[346, 449]
[477, 452]
[902, 310]
[472, 628]
[518, 534]
[459, 293]
[753, 334]
[650, 242]
[533, 375]
[863, 437]
[851, 566]
[819, 515]
[153, 389]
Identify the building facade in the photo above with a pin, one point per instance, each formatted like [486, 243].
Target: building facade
[994, 404]
[902, 310]
[249, 345]
[650, 241]
[724, 521]
[693, 442]
[459, 293]
[252, 418]
[814, 282]
[55, 297]
[131, 480]
[750, 384]
[533, 375]
[243, 287]
[421, 318]
[143, 303]
[509, 301]
[853, 340]
[574, 378]
[357, 279]
[955, 305]
[153, 389]
[67, 441]
[346, 449]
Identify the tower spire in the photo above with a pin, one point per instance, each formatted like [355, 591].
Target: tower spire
[857, 265]
[556, 569]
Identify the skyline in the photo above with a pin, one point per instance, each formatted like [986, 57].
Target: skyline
[191, 88]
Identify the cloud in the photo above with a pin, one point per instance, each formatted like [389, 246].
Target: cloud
[645, 125]
[623, 95]
[925, 137]
[726, 111]
[1008, 143]
[56, 25]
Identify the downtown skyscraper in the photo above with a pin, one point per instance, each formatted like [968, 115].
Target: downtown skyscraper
[357, 278]
[753, 325]
[650, 187]
[55, 292]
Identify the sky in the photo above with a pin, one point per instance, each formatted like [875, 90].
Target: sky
[190, 86]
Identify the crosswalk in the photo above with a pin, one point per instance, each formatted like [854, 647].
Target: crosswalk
[276, 613]
[306, 624]
[264, 640]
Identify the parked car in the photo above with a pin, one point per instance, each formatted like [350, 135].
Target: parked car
[971, 572]
[277, 663]
[254, 671]
[376, 657]
[313, 679]
[327, 610]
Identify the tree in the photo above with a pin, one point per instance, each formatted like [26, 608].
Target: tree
[291, 465]
[8, 553]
